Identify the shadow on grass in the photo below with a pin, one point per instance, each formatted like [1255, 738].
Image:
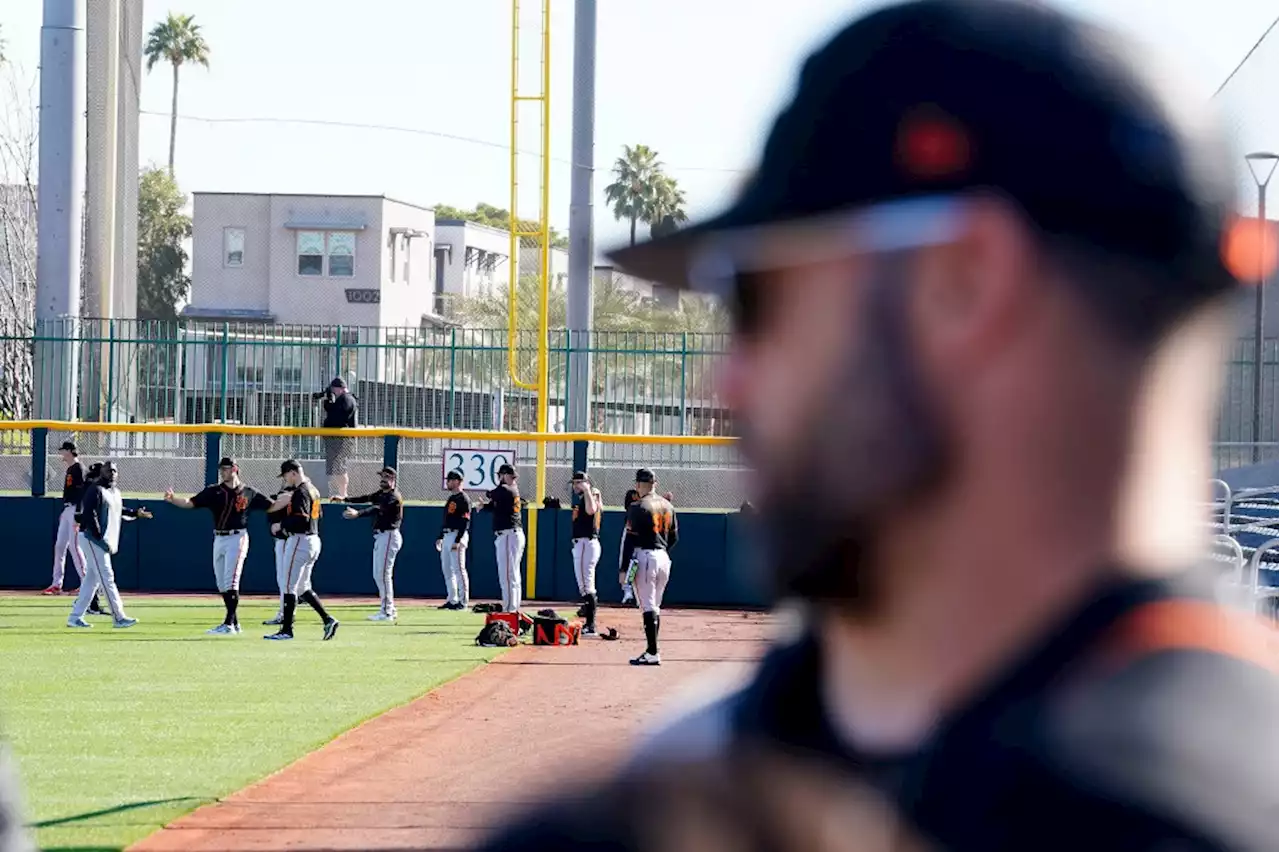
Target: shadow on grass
[132, 806]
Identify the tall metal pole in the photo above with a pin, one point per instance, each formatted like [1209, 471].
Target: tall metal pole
[1259, 326]
[61, 205]
[581, 229]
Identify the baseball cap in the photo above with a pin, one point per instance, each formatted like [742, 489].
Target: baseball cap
[645, 475]
[453, 474]
[507, 469]
[337, 382]
[290, 466]
[387, 471]
[931, 100]
[581, 476]
[226, 461]
[69, 446]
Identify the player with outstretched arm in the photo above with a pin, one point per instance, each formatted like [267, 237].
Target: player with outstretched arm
[101, 513]
[508, 534]
[652, 520]
[386, 505]
[229, 501]
[452, 544]
[302, 548]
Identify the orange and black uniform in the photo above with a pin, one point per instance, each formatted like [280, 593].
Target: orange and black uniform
[457, 515]
[73, 484]
[504, 503]
[651, 522]
[386, 503]
[302, 515]
[230, 506]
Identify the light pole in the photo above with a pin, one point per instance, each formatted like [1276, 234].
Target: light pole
[1259, 162]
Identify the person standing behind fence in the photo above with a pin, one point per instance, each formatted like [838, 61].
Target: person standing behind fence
[100, 516]
[339, 413]
[387, 506]
[73, 483]
[452, 544]
[508, 535]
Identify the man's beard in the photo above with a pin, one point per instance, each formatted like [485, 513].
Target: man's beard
[865, 450]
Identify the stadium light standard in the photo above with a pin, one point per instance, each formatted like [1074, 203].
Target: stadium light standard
[1259, 162]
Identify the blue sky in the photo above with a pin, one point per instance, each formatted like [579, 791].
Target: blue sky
[699, 80]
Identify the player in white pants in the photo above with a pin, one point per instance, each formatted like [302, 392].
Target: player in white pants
[508, 535]
[386, 505]
[452, 544]
[301, 550]
[278, 539]
[652, 521]
[100, 516]
[73, 486]
[584, 534]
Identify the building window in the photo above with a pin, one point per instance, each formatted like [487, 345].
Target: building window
[342, 254]
[233, 247]
[311, 252]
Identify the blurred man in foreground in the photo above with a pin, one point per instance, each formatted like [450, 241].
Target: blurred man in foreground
[981, 281]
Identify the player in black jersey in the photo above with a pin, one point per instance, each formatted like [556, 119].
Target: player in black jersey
[278, 537]
[508, 534]
[73, 482]
[626, 549]
[652, 521]
[452, 543]
[230, 501]
[302, 526]
[386, 505]
[584, 537]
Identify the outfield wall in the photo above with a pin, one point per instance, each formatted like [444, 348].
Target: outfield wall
[171, 553]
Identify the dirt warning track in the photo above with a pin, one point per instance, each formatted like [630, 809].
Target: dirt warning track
[429, 775]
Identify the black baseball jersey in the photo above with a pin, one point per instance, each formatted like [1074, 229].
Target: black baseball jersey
[73, 484]
[652, 521]
[457, 514]
[504, 502]
[278, 516]
[302, 517]
[628, 540]
[584, 525]
[231, 506]
[386, 504]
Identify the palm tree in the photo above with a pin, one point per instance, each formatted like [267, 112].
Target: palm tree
[634, 174]
[177, 40]
[664, 211]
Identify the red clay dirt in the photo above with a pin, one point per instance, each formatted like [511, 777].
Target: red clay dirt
[428, 775]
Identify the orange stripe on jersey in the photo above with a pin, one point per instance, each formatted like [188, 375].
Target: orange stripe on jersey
[1191, 625]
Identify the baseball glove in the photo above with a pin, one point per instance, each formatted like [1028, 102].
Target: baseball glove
[609, 634]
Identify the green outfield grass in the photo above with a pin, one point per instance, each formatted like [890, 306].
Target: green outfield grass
[118, 732]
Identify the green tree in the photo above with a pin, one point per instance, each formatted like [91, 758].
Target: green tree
[665, 208]
[162, 228]
[177, 40]
[500, 218]
[634, 176]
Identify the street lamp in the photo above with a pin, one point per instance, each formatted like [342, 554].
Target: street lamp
[1260, 162]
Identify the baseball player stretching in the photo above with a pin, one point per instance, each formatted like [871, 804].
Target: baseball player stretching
[585, 535]
[302, 548]
[627, 549]
[508, 535]
[452, 544]
[100, 516]
[230, 501]
[72, 491]
[278, 537]
[652, 521]
[387, 507]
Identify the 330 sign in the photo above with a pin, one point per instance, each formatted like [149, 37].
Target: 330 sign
[479, 468]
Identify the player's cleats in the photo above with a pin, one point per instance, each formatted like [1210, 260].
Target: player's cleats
[278, 636]
[331, 628]
[647, 659]
[96, 610]
[381, 616]
[52, 590]
[278, 619]
[221, 630]
[627, 597]
[122, 623]
[445, 605]
[589, 631]
[456, 607]
[77, 622]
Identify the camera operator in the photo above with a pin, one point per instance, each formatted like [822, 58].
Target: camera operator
[339, 413]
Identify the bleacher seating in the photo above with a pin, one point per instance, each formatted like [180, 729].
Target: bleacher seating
[1246, 525]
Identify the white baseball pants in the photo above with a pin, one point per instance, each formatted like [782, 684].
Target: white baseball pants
[229, 552]
[68, 539]
[509, 547]
[300, 555]
[586, 554]
[97, 573]
[280, 543]
[653, 570]
[386, 544]
[453, 564]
